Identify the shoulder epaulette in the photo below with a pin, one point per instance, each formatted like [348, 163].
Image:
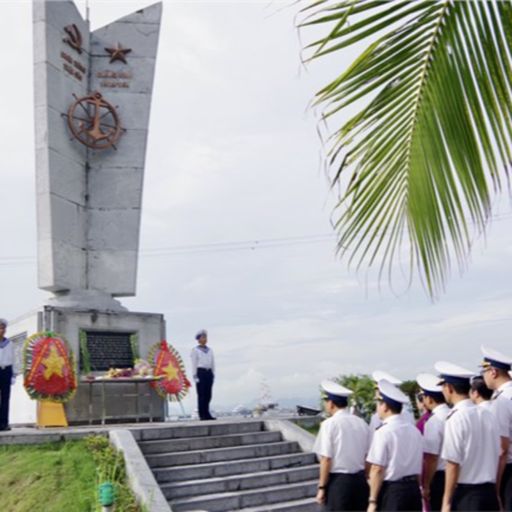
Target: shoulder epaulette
[451, 414]
[497, 395]
[380, 426]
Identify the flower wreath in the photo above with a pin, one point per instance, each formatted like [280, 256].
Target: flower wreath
[49, 368]
[167, 362]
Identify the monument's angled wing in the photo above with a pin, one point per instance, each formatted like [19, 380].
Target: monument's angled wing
[93, 95]
[61, 61]
[123, 56]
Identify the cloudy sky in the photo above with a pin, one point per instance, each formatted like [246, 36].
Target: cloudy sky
[234, 157]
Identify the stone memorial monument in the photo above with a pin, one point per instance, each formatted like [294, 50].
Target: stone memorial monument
[92, 105]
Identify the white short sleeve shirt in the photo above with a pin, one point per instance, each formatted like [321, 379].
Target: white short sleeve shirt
[471, 440]
[502, 409]
[345, 439]
[433, 433]
[397, 446]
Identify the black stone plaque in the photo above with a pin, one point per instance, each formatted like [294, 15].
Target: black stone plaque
[109, 349]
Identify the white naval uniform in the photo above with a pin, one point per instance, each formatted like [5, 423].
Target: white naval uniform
[397, 446]
[471, 440]
[487, 404]
[202, 359]
[345, 439]
[376, 422]
[502, 408]
[7, 355]
[433, 433]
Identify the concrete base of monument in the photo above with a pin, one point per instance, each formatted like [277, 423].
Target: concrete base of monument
[99, 339]
[86, 300]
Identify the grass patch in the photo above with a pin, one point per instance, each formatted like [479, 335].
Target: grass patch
[50, 477]
[63, 476]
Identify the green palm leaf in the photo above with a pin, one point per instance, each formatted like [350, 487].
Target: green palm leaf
[419, 161]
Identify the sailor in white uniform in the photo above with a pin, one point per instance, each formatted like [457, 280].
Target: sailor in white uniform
[495, 370]
[395, 455]
[341, 445]
[471, 445]
[7, 375]
[375, 421]
[433, 434]
[203, 370]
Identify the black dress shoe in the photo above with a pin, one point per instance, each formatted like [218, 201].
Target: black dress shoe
[5, 428]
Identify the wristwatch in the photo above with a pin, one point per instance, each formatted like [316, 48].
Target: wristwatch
[322, 487]
[372, 500]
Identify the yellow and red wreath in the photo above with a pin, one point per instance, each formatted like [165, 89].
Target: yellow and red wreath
[49, 368]
[168, 364]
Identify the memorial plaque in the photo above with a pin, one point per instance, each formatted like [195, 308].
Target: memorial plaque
[109, 349]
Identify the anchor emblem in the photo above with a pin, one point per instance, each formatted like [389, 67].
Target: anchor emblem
[94, 122]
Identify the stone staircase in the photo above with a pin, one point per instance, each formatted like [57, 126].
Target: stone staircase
[220, 466]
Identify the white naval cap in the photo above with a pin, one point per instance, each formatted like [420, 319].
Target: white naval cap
[495, 359]
[452, 373]
[429, 383]
[380, 375]
[333, 390]
[390, 394]
[202, 332]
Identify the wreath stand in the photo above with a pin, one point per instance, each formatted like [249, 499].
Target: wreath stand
[50, 414]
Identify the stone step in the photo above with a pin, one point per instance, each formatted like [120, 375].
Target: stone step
[230, 501]
[174, 490]
[201, 429]
[305, 505]
[235, 467]
[221, 454]
[205, 443]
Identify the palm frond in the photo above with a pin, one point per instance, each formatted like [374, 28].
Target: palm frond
[430, 141]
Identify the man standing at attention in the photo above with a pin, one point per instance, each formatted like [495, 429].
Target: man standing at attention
[471, 446]
[395, 455]
[7, 376]
[433, 434]
[495, 371]
[203, 370]
[341, 445]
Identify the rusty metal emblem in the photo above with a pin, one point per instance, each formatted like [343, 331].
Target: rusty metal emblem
[94, 122]
[74, 38]
[118, 53]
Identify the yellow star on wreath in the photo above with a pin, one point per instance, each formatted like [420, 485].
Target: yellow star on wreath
[53, 363]
[171, 371]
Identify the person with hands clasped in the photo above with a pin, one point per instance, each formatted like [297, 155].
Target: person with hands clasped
[433, 434]
[471, 445]
[203, 371]
[341, 445]
[395, 455]
[495, 370]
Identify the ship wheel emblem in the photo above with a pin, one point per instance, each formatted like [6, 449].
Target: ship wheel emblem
[94, 122]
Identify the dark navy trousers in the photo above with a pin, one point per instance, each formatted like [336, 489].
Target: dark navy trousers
[204, 393]
[5, 395]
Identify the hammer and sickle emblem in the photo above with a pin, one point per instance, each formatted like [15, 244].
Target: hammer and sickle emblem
[74, 38]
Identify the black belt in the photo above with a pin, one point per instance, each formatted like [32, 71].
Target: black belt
[475, 486]
[358, 473]
[205, 369]
[409, 478]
